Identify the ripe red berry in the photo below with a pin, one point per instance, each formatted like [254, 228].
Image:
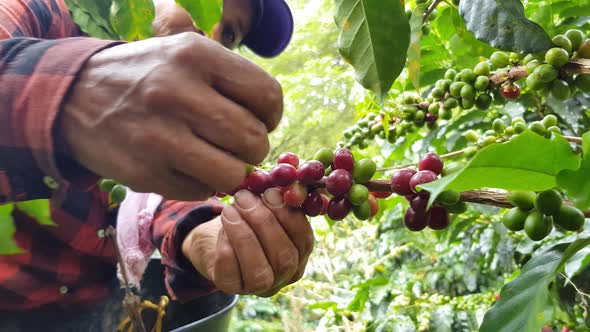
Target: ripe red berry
[242, 186]
[497, 297]
[431, 118]
[565, 329]
[343, 159]
[313, 204]
[338, 208]
[510, 90]
[439, 218]
[288, 158]
[400, 182]
[283, 175]
[381, 195]
[259, 181]
[421, 178]
[374, 205]
[326, 202]
[415, 222]
[339, 182]
[431, 162]
[419, 204]
[295, 195]
[311, 172]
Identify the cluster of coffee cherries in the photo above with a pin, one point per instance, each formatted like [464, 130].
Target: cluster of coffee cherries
[364, 130]
[331, 184]
[503, 131]
[116, 191]
[544, 70]
[405, 182]
[536, 213]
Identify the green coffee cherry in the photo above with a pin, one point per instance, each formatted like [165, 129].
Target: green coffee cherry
[482, 83]
[445, 114]
[533, 82]
[563, 42]
[546, 73]
[555, 130]
[548, 202]
[409, 99]
[326, 156]
[358, 194]
[364, 170]
[530, 67]
[560, 89]
[467, 104]
[500, 59]
[451, 103]
[483, 102]
[537, 226]
[528, 58]
[490, 132]
[549, 121]
[584, 49]
[362, 211]
[457, 78]
[419, 117]
[459, 208]
[499, 126]
[467, 75]
[517, 120]
[509, 131]
[576, 38]
[482, 69]
[514, 219]
[488, 140]
[448, 197]
[433, 108]
[437, 93]
[525, 200]
[514, 57]
[455, 89]
[450, 74]
[107, 185]
[538, 128]
[557, 57]
[471, 136]
[470, 151]
[118, 193]
[468, 92]
[570, 218]
[519, 127]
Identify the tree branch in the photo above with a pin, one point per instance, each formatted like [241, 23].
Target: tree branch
[574, 66]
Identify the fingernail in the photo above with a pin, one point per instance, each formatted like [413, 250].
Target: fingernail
[246, 200]
[231, 215]
[273, 198]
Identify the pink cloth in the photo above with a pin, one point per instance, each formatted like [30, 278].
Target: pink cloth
[134, 220]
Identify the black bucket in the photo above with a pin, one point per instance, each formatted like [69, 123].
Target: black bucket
[210, 313]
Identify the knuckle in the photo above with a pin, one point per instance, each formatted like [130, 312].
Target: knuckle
[185, 47]
[262, 280]
[154, 94]
[274, 100]
[257, 142]
[288, 259]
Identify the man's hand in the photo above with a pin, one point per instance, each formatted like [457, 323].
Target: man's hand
[179, 115]
[256, 246]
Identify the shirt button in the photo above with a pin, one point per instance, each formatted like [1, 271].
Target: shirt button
[50, 182]
[63, 290]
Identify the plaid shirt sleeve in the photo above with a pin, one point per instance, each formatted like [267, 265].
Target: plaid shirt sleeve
[41, 52]
[36, 72]
[173, 221]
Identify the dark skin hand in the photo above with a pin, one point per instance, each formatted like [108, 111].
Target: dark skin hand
[156, 114]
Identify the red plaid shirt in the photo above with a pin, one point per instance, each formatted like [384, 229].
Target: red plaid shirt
[41, 52]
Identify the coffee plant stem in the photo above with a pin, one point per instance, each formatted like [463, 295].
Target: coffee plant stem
[573, 139]
[430, 9]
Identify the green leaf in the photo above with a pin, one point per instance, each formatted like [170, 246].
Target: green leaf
[514, 165]
[503, 24]
[38, 209]
[325, 305]
[7, 244]
[522, 301]
[416, 22]
[576, 184]
[374, 39]
[359, 300]
[205, 13]
[132, 19]
[93, 17]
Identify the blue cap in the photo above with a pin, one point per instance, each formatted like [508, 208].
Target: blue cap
[272, 28]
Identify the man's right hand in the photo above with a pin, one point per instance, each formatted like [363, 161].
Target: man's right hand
[178, 115]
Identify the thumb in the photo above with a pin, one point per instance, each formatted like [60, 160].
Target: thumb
[171, 19]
